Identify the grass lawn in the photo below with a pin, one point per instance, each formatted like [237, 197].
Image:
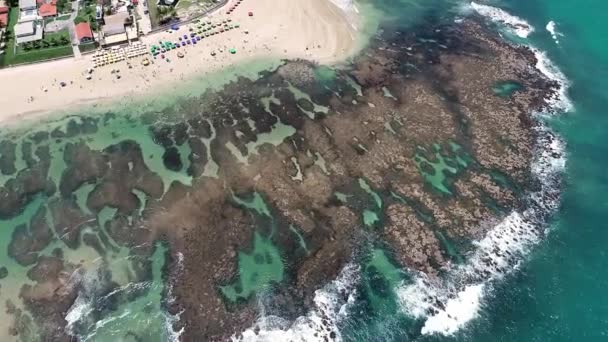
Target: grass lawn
[9, 55]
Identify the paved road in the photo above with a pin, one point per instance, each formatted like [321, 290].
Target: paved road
[144, 23]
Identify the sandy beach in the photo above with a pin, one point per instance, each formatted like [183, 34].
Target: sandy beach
[312, 29]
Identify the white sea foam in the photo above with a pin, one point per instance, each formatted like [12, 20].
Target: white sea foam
[552, 28]
[320, 324]
[449, 305]
[517, 25]
[559, 102]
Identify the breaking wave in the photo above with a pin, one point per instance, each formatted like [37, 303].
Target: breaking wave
[450, 304]
[515, 24]
[320, 324]
[551, 27]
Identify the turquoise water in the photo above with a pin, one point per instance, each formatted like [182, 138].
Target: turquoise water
[559, 295]
[556, 295]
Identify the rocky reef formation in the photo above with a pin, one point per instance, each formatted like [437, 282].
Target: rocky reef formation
[290, 175]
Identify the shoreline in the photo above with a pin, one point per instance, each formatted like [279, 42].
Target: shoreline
[315, 30]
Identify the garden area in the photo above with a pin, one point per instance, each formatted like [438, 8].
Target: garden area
[53, 45]
[86, 14]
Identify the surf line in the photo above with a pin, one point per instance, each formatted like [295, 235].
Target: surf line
[448, 305]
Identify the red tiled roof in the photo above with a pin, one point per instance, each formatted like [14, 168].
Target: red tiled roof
[40, 2]
[83, 30]
[47, 10]
[53, 2]
[3, 9]
[3, 19]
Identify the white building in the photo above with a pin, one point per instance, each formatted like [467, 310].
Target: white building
[28, 11]
[28, 31]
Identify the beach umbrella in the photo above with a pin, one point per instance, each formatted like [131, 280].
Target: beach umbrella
[198, 38]
[232, 51]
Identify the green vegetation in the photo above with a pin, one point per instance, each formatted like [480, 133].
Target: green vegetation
[165, 14]
[51, 40]
[53, 45]
[63, 6]
[87, 47]
[153, 13]
[86, 13]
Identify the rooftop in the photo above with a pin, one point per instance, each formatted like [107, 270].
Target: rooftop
[24, 29]
[47, 10]
[115, 24]
[83, 30]
[27, 4]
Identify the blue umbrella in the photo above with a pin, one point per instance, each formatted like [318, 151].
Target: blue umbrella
[183, 43]
[198, 38]
[175, 27]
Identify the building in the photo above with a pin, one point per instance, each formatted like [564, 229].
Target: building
[28, 31]
[47, 10]
[27, 11]
[84, 33]
[3, 16]
[115, 31]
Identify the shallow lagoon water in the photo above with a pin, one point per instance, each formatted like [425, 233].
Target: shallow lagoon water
[558, 290]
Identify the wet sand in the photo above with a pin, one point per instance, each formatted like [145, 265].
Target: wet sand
[316, 30]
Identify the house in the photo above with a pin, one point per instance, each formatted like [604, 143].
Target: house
[47, 10]
[3, 17]
[114, 30]
[27, 11]
[84, 33]
[28, 31]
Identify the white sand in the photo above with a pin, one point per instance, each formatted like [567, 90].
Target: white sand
[311, 29]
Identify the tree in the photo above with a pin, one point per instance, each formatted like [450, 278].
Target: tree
[53, 41]
[26, 46]
[64, 40]
[46, 44]
[36, 44]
